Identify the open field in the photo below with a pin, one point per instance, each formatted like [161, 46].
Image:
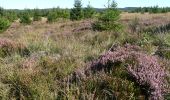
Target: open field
[38, 61]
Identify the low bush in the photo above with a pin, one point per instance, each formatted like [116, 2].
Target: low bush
[37, 15]
[25, 18]
[88, 11]
[4, 24]
[8, 47]
[52, 17]
[143, 69]
[10, 15]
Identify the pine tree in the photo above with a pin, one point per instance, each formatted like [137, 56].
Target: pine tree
[76, 13]
[37, 15]
[88, 11]
[25, 18]
[52, 17]
[155, 9]
[109, 19]
[1, 11]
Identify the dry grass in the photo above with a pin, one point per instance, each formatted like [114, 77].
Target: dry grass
[147, 19]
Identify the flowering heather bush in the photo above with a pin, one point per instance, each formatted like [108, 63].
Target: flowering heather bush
[6, 42]
[8, 46]
[144, 69]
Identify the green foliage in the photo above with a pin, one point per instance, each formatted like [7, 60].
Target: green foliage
[65, 14]
[108, 19]
[164, 48]
[4, 24]
[37, 15]
[88, 11]
[61, 13]
[52, 17]
[76, 13]
[154, 9]
[10, 15]
[1, 11]
[166, 54]
[25, 18]
[30, 12]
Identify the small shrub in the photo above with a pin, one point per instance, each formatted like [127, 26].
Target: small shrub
[37, 15]
[25, 18]
[7, 47]
[4, 24]
[10, 15]
[108, 19]
[65, 14]
[143, 69]
[52, 17]
[88, 11]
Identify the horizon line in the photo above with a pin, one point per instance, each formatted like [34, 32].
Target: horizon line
[82, 7]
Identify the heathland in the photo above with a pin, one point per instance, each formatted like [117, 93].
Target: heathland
[81, 54]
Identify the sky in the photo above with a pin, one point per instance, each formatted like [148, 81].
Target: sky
[22, 4]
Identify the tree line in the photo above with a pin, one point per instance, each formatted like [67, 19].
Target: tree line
[106, 19]
[154, 9]
[76, 13]
[26, 16]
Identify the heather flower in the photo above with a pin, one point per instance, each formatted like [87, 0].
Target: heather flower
[7, 47]
[4, 42]
[145, 69]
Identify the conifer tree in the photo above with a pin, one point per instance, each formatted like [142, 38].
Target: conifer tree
[88, 11]
[37, 15]
[76, 13]
[109, 19]
[52, 16]
[25, 18]
[1, 11]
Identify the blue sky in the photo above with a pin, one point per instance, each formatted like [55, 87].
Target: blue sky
[21, 4]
